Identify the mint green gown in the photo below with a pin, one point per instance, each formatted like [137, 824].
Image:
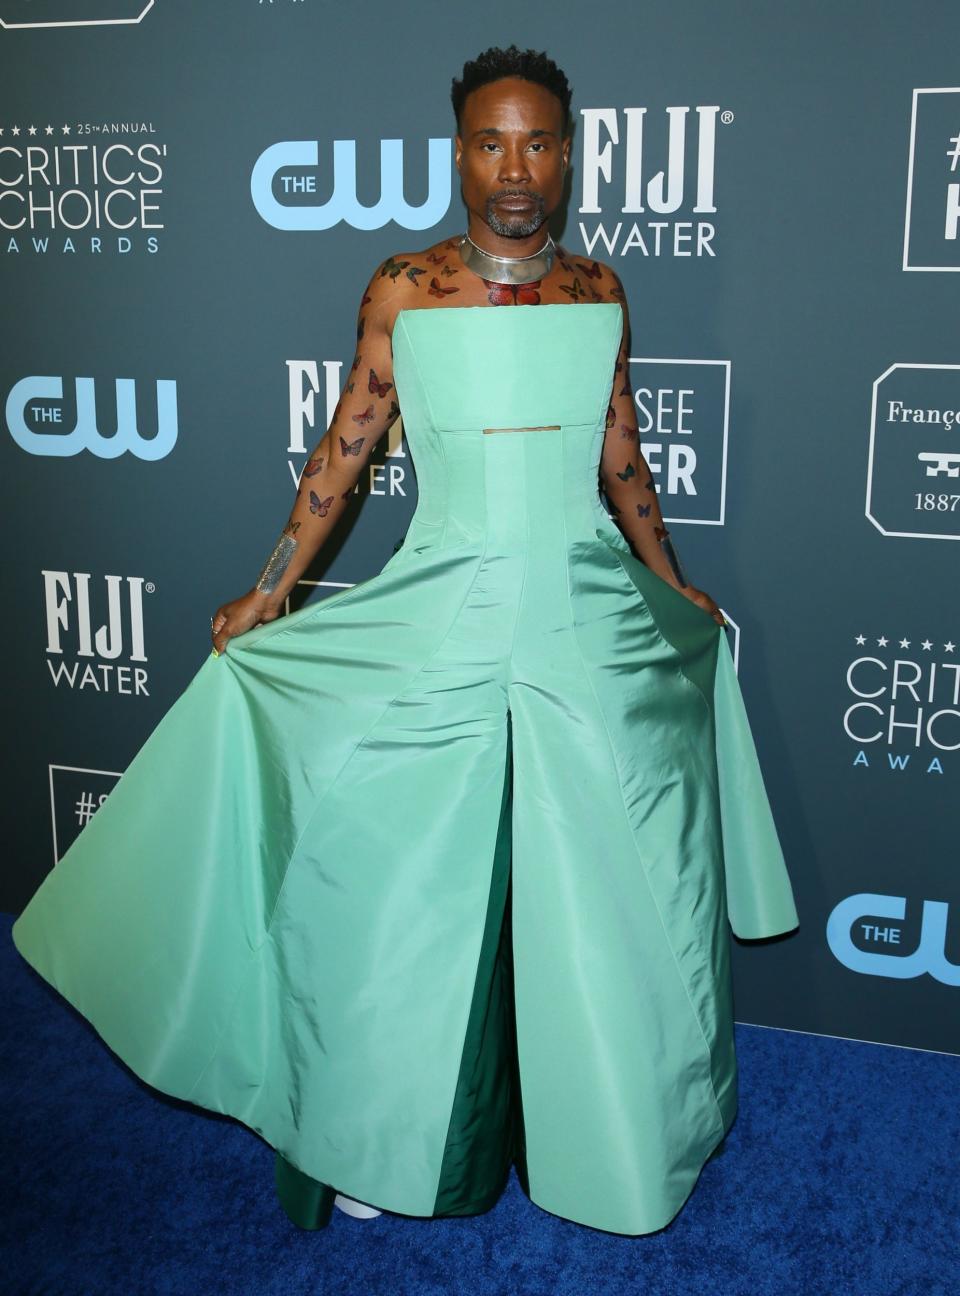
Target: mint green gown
[436, 875]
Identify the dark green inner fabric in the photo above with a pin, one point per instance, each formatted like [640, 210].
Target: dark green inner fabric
[308, 1202]
[486, 1124]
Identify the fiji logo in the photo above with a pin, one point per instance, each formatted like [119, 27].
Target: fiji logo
[284, 187]
[95, 632]
[666, 176]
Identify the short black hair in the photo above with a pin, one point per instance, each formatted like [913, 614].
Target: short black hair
[495, 63]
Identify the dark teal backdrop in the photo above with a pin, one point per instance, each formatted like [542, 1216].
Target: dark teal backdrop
[182, 252]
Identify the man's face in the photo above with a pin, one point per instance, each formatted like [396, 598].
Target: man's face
[511, 154]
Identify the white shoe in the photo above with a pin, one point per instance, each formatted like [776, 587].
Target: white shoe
[359, 1210]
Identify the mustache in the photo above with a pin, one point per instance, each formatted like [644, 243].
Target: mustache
[515, 193]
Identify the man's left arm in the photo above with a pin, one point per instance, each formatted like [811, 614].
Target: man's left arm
[627, 480]
[624, 473]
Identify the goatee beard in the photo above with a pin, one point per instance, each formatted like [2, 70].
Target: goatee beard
[524, 223]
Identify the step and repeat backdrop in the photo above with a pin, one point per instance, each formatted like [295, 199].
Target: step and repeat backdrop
[192, 199]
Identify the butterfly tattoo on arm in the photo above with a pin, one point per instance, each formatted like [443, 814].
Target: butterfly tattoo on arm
[375, 385]
[320, 506]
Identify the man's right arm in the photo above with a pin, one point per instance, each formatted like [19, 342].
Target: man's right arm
[366, 409]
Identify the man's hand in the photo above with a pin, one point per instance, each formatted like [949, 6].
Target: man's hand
[703, 600]
[242, 614]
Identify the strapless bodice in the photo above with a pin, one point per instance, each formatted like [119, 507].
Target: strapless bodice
[504, 410]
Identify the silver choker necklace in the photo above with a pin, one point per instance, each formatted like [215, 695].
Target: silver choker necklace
[507, 270]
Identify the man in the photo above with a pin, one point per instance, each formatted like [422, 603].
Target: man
[559, 737]
[512, 153]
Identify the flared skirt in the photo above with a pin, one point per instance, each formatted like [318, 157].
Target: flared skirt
[293, 906]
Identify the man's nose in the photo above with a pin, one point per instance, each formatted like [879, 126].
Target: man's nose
[513, 168]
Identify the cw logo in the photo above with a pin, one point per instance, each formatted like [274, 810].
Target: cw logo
[929, 956]
[343, 205]
[42, 396]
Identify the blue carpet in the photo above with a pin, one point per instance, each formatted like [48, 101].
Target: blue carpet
[840, 1176]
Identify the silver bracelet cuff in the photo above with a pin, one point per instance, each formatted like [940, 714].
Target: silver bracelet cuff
[666, 546]
[276, 564]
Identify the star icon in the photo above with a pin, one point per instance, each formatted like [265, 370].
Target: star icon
[904, 643]
[882, 641]
[860, 639]
[948, 646]
[927, 645]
